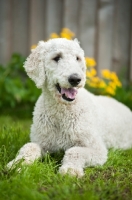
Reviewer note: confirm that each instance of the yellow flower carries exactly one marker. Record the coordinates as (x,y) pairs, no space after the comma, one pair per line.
(90,62)
(54,35)
(106,73)
(67,33)
(33,46)
(102,84)
(95,79)
(91,73)
(112,85)
(114,76)
(110,90)
(111,76)
(91,84)
(95,82)
(88,74)
(118,83)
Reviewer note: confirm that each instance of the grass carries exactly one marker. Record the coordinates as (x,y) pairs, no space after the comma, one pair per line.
(41,181)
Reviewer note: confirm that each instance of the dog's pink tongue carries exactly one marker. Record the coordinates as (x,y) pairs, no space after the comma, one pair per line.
(69,93)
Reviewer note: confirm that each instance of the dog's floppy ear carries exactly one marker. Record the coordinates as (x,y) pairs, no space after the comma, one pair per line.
(34,65)
(76,40)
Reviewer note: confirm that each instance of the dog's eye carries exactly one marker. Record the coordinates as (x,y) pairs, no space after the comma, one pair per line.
(57,58)
(77,58)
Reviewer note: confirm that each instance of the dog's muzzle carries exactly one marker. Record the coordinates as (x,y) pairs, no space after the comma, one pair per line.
(67,94)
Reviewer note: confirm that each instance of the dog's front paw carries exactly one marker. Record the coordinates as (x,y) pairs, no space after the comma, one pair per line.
(73,171)
(12,164)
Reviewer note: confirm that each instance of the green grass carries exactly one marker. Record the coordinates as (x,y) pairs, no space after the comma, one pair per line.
(41,180)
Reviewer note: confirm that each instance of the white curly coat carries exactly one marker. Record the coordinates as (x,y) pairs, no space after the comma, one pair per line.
(86,126)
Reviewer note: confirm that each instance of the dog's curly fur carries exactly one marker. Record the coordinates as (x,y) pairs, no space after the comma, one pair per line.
(68,117)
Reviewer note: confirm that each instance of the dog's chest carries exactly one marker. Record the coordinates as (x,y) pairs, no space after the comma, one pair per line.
(64,129)
(60,130)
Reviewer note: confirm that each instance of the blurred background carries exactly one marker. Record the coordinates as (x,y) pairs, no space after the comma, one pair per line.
(103,27)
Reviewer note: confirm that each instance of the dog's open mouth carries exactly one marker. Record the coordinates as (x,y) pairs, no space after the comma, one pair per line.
(68,94)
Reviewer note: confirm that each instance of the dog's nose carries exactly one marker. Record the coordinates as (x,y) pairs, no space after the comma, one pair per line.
(74,79)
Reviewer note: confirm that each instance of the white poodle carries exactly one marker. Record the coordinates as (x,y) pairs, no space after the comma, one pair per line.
(68,117)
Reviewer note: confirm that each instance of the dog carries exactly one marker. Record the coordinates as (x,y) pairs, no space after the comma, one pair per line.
(67,116)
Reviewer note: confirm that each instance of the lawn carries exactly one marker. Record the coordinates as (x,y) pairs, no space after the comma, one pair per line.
(41,180)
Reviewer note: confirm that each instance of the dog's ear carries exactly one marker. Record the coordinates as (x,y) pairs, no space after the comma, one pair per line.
(76,40)
(34,65)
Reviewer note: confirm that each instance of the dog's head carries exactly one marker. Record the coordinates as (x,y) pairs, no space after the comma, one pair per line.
(58,65)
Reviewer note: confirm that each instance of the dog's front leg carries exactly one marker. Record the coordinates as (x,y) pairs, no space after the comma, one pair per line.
(77,158)
(28,154)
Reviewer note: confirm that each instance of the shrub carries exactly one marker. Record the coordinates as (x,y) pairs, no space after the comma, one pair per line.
(16,89)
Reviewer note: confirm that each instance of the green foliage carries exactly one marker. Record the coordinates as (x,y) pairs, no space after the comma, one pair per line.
(16,89)
(41,180)
(124,95)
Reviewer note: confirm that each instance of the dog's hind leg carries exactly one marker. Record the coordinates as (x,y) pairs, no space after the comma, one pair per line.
(28,154)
